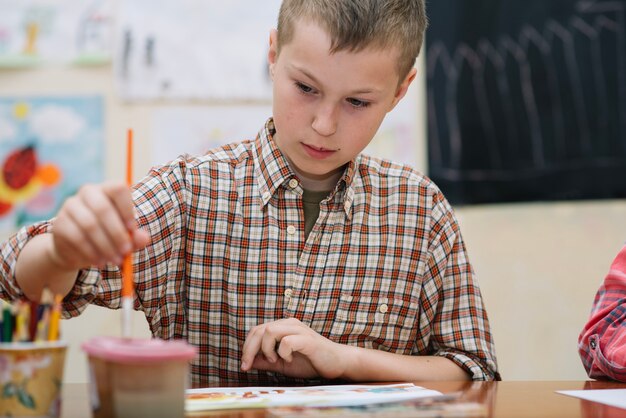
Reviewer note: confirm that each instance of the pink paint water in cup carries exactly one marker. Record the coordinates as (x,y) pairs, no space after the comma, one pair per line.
(138,377)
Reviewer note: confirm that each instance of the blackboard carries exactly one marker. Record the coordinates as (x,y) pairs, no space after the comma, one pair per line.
(527,99)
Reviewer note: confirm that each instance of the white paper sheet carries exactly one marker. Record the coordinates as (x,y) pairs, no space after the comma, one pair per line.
(611,397)
(333,395)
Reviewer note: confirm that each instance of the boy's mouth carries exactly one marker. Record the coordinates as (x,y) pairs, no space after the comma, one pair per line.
(318,152)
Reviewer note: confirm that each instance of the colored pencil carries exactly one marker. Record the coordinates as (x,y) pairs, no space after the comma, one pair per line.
(7,323)
(55,319)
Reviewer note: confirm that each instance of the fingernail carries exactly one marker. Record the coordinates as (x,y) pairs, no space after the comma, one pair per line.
(244,365)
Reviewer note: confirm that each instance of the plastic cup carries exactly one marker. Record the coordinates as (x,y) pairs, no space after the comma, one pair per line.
(31,377)
(138,377)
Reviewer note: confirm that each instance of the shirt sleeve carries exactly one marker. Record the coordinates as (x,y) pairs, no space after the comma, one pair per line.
(602,342)
(459,325)
(83,292)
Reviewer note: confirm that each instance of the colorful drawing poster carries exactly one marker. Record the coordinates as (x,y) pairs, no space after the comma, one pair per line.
(49,147)
(330,395)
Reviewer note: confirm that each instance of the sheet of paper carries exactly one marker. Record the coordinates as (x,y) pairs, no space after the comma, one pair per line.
(611,397)
(333,395)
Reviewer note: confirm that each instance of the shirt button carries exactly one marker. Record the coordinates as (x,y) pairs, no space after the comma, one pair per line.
(383,308)
(288,293)
(291,229)
(293,183)
(592,344)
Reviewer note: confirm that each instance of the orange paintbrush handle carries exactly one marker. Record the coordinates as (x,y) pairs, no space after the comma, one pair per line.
(127,267)
(127,277)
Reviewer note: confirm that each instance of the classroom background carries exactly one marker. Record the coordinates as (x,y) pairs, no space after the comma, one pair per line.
(190,74)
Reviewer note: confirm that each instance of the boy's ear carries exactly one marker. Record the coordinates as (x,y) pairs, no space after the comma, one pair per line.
(403,87)
(272,53)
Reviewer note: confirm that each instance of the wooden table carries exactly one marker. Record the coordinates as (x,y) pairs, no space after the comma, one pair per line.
(508,399)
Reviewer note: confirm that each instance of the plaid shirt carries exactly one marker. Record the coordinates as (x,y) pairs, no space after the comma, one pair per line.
(602,343)
(384,267)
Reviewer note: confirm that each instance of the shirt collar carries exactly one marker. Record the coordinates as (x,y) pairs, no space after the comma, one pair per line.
(272,170)
(271,166)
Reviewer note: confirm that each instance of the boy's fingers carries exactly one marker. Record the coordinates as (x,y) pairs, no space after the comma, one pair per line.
(261,363)
(110,205)
(68,252)
(122,199)
(269,343)
(250,349)
(290,345)
(103,220)
(268,339)
(93,225)
(121,196)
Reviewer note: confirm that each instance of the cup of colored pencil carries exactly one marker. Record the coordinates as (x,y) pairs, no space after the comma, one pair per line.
(31,358)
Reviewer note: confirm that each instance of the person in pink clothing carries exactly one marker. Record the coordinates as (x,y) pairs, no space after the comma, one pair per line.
(602,342)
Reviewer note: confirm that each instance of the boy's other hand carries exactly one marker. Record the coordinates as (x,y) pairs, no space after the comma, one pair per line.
(290,347)
(96,226)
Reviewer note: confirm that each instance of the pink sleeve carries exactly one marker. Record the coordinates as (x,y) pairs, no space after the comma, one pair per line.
(602,343)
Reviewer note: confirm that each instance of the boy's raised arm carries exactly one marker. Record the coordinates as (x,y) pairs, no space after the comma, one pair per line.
(93,228)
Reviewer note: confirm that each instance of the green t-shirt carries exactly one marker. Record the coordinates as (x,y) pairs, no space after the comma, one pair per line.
(311,202)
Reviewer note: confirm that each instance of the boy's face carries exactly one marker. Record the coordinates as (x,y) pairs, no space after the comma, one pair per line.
(327,107)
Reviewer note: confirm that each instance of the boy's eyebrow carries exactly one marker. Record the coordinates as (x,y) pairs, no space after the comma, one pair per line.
(315,80)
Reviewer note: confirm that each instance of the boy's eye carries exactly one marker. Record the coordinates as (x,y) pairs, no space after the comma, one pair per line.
(304,88)
(358,103)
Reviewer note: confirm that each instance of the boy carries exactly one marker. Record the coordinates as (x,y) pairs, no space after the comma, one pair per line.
(290,257)
(602,342)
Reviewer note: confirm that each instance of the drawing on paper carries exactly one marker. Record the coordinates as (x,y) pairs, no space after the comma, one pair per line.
(331,395)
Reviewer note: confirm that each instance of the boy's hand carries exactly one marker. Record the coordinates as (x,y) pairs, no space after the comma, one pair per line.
(289,347)
(96,226)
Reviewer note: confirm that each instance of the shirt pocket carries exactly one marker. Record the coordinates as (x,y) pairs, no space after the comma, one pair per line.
(387,321)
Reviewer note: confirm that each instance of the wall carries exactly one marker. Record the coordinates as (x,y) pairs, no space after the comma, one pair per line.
(538,264)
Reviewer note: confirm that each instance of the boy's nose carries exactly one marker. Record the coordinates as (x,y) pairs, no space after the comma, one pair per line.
(325,120)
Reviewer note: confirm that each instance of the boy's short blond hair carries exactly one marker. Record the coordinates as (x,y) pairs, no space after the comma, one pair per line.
(357,24)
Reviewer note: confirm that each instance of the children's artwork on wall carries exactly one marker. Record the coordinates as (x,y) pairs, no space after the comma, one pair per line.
(37,31)
(49,147)
(194,49)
